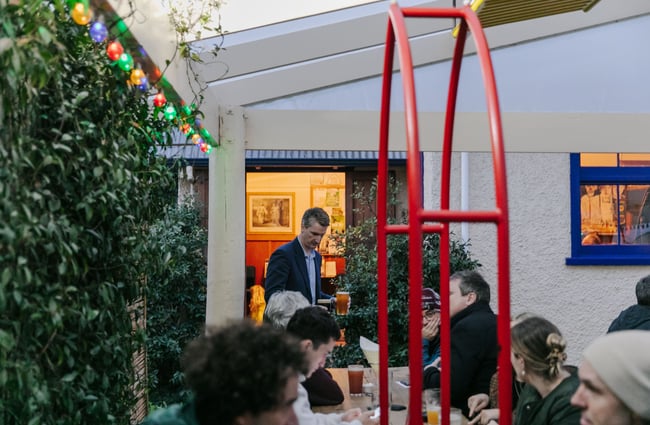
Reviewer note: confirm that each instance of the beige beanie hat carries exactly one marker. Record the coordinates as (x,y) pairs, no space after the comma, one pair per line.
(622,360)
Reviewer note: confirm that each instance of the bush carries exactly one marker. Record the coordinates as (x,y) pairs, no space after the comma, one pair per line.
(175,299)
(79,183)
(360,250)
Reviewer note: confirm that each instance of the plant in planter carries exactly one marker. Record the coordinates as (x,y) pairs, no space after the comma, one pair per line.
(359,248)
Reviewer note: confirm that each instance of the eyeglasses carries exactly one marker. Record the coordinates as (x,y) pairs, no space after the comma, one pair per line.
(429,313)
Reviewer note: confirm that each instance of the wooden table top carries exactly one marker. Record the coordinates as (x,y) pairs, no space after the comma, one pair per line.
(363,402)
(399,394)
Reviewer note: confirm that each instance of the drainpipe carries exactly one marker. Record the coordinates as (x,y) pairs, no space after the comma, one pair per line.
(464,193)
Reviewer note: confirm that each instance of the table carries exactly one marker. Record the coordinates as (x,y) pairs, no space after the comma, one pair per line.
(399,394)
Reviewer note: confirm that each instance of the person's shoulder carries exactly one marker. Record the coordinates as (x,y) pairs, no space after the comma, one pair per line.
(634,317)
(570,384)
(479,314)
(559,401)
(287,247)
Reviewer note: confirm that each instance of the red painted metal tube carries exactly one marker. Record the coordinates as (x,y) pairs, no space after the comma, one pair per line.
(382,199)
(397,34)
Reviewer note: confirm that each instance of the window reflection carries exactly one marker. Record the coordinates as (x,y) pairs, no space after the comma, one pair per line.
(598,206)
(615,214)
(636,214)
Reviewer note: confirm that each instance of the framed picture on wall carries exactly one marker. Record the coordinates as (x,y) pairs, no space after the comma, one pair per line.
(270,213)
(332,199)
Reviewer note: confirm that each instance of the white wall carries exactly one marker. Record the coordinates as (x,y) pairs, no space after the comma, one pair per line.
(580,300)
(593,70)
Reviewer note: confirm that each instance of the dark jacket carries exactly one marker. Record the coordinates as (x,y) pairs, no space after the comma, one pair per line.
(322,389)
(287,271)
(473,354)
(554,409)
(634,317)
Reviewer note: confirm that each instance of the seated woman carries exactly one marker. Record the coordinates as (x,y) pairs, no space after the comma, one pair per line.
(537,356)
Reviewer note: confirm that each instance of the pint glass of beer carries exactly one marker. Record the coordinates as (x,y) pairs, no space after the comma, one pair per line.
(355,379)
(342,302)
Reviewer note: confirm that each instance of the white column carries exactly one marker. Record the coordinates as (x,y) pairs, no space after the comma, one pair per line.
(226,220)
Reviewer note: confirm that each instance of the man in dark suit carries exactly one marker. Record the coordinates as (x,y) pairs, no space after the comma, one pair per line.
(473,340)
(295,266)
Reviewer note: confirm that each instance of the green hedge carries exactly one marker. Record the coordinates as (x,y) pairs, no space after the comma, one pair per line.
(360,250)
(176,295)
(79,181)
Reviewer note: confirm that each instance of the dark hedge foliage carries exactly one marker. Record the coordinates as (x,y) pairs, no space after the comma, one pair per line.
(79,183)
(176,300)
(360,250)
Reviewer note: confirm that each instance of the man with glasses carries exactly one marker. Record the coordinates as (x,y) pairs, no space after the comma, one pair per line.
(473,340)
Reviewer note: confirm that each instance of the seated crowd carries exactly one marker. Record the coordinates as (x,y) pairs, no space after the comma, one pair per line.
(247,374)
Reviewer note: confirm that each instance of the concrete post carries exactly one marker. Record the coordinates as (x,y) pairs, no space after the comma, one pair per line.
(226,222)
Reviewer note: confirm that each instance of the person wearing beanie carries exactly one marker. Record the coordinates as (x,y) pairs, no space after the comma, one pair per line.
(473,334)
(430,326)
(615,380)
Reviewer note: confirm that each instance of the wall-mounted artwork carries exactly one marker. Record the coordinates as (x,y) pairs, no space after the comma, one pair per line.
(332,200)
(270,213)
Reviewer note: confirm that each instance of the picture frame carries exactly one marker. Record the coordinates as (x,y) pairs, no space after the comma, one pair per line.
(270,213)
(331,198)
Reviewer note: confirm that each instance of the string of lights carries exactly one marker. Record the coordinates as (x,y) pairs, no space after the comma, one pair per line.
(186,117)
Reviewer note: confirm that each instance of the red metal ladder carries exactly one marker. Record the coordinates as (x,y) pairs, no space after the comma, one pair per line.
(429,221)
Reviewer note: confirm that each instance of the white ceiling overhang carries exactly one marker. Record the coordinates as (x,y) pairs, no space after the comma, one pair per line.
(339,47)
(342,46)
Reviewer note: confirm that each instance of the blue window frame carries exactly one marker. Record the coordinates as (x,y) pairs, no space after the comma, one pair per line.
(610,210)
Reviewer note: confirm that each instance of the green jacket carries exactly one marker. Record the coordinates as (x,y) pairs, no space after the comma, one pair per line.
(555,409)
(176,414)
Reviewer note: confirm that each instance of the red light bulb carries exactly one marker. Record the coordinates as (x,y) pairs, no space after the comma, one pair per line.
(114,50)
(159,100)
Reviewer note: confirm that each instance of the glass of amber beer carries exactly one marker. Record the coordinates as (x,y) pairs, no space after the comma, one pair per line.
(342,302)
(355,379)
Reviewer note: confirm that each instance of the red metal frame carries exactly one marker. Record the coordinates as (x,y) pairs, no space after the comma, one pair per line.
(420,220)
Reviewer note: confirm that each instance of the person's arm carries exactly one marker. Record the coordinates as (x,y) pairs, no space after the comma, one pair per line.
(431,376)
(306,416)
(486,416)
(476,403)
(464,348)
(277,273)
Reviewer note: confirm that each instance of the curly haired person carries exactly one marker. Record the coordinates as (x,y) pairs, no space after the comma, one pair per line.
(239,374)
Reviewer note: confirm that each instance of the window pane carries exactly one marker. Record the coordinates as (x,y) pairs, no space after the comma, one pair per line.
(598,214)
(598,160)
(634,159)
(635,214)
